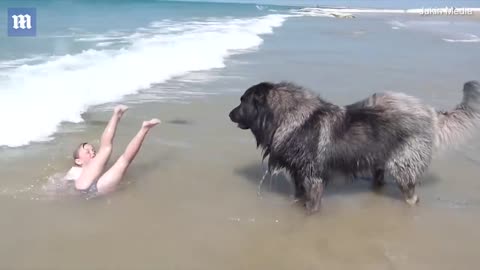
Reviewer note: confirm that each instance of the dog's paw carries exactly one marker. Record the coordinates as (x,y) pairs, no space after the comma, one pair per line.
(312,207)
(311,212)
(414,200)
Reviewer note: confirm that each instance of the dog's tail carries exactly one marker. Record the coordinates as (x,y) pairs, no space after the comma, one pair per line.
(454,126)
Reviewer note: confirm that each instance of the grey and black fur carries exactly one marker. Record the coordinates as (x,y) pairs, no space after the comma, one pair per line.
(389,132)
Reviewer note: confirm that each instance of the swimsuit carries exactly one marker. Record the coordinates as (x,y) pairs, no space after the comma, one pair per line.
(92,190)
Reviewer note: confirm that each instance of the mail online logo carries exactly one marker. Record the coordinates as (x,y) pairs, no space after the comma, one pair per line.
(22,22)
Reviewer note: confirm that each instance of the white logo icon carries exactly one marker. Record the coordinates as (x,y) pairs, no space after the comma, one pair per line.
(22,21)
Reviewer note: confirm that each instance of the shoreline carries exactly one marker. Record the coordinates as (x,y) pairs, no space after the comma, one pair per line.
(256,40)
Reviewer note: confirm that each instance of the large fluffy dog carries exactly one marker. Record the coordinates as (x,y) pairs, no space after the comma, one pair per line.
(312,138)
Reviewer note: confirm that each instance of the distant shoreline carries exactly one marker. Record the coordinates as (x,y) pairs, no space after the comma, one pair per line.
(343,12)
(439,11)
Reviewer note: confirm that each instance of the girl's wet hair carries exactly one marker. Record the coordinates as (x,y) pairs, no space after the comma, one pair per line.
(75,153)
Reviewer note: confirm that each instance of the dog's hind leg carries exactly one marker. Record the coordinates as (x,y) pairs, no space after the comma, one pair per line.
(406,181)
(314,192)
(408,190)
(407,167)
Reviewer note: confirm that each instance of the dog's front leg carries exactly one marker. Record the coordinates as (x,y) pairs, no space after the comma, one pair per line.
(299,188)
(314,191)
(378,178)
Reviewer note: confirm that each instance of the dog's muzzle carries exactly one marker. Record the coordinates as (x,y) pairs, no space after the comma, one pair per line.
(231,115)
(234,118)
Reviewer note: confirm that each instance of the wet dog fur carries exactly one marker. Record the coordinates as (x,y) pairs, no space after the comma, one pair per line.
(311,138)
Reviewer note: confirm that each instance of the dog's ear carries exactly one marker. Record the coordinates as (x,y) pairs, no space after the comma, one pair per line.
(265,86)
(261,91)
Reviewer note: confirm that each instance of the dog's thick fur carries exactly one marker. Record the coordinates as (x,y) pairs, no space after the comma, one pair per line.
(389,132)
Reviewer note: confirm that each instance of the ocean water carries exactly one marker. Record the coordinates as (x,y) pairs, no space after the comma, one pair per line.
(88,53)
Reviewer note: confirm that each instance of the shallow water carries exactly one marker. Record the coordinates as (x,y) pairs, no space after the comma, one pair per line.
(190,201)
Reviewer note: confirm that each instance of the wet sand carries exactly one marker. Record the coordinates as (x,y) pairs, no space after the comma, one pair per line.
(189,200)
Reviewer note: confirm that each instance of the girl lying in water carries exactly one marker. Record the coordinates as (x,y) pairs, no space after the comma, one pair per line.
(89,164)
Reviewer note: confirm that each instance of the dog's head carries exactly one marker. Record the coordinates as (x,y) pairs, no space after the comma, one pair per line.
(254,113)
(252,104)
(266,106)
